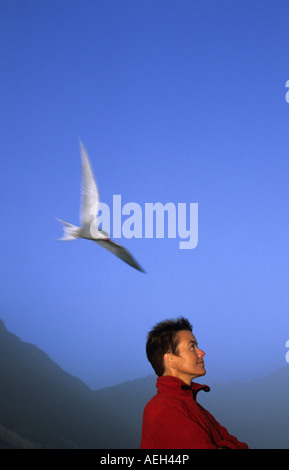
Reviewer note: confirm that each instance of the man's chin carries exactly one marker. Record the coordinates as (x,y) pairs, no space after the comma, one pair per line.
(203,373)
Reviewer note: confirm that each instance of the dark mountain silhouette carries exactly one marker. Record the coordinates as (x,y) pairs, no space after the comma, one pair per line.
(42,406)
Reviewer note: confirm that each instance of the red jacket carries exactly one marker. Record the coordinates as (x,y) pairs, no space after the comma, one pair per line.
(173,419)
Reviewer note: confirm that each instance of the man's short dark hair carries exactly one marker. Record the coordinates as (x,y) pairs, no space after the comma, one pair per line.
(163,339)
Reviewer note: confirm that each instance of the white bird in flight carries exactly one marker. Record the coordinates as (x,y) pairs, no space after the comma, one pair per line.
(90,198)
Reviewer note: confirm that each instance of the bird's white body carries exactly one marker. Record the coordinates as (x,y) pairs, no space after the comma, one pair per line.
(90,199)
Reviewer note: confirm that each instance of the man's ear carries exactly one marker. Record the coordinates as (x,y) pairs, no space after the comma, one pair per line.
(169,361)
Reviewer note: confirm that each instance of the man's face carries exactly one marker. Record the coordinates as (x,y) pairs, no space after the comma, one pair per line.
(189,361)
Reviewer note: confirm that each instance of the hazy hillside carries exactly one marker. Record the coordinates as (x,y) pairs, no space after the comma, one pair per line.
(257,411)
(42,406)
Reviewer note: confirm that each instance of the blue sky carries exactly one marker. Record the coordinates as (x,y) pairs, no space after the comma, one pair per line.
(175,102)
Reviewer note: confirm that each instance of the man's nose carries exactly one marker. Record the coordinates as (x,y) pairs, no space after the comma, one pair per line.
(201,353)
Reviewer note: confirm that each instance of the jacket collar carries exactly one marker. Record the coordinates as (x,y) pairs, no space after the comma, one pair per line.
(175,387)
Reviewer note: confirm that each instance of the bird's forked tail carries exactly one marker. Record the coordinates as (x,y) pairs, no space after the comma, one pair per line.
(70,232)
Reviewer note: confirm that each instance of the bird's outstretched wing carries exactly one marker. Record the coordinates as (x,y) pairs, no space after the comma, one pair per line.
(120,252)
(89,191)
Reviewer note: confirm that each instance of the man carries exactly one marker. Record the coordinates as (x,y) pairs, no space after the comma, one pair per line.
(173,419)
